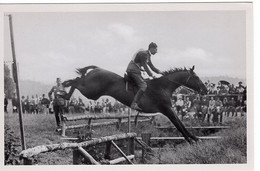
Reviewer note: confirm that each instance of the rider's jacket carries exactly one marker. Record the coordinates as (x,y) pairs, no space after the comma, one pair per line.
(58,91)
(140,62)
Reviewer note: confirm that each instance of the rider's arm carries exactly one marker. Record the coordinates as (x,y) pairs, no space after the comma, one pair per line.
(50,93)
(152,66)
(142,59)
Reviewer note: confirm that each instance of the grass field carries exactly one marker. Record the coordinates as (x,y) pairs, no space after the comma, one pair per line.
(40,130)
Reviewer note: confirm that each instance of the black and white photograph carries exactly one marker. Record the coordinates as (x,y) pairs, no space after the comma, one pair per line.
(152,84)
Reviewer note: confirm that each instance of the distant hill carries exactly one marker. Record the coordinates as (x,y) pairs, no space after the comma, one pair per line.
(29,88)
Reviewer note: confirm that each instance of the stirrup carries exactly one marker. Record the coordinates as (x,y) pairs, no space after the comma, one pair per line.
(135,107)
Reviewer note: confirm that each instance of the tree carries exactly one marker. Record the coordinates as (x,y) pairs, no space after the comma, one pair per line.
(9,85)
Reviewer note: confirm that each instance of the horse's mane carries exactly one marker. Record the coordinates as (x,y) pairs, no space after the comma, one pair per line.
(173,70)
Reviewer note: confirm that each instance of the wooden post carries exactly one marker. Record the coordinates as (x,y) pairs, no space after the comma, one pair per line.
(89,124)
(119,123)
(129,119)
(16,80)
(27,161)
(146,139)
(107,150)
(76,157)
(63,128)
(131,146)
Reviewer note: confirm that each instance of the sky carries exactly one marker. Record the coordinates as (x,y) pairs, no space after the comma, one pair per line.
(51,45)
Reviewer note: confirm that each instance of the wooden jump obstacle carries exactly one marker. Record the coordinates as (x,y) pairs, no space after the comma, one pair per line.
(79,151)
(197,127)
(119,118)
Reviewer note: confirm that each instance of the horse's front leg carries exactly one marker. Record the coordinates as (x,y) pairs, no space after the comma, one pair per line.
(67,96)
(179,125)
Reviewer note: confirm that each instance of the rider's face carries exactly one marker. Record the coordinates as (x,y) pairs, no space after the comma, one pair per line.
(153,51)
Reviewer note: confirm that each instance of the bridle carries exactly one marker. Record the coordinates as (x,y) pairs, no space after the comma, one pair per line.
(187,80)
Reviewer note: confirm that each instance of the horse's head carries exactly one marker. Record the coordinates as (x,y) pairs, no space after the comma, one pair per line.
(193,82)
(187,78)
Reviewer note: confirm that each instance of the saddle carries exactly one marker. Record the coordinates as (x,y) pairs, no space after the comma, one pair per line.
(128,83)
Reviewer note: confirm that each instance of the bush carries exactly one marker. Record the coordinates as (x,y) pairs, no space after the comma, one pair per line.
(232,148)
(11,152)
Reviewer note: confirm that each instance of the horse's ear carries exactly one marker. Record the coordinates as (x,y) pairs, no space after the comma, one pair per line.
(193,67)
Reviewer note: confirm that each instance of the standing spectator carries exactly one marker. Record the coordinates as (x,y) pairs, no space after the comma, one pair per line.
(81,106)
(240,106)
(204,107)
(187,106)
(212,89)
(225,106)
(179,105)
(45,103)
(232,107)
(27,105)
(58,101)
(23,104)
(212,105)
(15,104)
(219,112)
(197,107)
(240,88)
(32,105)
(231,89)
(5,105)
(37,103)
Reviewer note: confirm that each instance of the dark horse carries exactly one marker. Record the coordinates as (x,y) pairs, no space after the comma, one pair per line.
(157,97)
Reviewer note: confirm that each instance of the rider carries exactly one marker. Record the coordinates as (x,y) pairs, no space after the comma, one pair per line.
(141,59)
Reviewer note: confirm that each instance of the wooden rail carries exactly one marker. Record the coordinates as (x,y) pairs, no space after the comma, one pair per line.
(118,123)
(197,127)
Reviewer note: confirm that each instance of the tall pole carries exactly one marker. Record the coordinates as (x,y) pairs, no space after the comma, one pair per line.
(15,75)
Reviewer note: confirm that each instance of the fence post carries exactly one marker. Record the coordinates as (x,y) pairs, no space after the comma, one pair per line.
(63,127)
(107,150)
(27,161)
(146,139)
(129,119)
(119,123)
(131,146)
(89,124)
(76,157)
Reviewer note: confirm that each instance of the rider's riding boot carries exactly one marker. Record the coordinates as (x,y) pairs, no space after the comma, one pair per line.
(136,100)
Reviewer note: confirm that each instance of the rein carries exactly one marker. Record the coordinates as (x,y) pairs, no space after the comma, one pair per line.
(178,82)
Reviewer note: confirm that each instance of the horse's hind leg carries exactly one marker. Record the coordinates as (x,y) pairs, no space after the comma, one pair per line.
(178,124)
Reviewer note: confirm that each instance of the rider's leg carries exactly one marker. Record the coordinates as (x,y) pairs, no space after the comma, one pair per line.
(137,78)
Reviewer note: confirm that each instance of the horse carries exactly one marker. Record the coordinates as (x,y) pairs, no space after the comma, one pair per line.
(95,82)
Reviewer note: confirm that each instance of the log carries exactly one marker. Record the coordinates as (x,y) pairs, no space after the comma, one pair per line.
(87,156)
(197,127)
(121,159)
(28,153)
(121,152)
(104,116)
(100,124)
(181,138)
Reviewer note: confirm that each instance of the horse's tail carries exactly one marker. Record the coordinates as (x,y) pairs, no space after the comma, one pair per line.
(83,71)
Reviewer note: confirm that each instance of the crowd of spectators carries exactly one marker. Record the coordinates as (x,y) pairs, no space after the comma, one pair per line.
(224,100)
(43,105)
